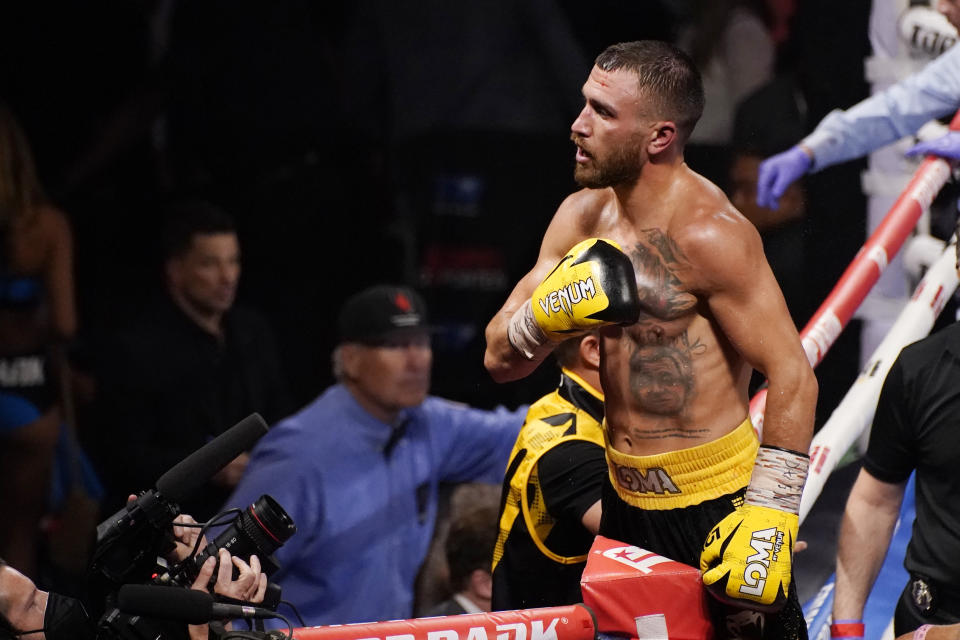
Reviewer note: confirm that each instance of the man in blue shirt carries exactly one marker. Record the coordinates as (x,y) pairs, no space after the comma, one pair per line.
(884,117)
(358,468)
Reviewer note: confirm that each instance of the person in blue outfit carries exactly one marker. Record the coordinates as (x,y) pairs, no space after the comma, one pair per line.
(884,117)
(358,468)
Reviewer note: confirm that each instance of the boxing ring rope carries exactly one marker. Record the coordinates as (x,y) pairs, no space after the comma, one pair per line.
(820,333)
(865,269)
(855,412)
(853,415)
(575,622)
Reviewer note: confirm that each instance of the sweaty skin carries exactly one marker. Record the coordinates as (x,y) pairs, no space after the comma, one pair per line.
(711,308)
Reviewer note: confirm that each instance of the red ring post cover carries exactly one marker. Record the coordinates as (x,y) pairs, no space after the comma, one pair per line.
(637,594)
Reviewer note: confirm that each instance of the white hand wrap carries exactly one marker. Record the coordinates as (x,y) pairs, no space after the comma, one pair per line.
(778,478)
(525,335)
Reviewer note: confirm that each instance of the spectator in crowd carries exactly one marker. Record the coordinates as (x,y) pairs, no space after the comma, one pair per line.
(468,548)
(768,121)
(914,430)
(358,468)
(884,117)
(37,316)
(454,502)
(891,113)
(730,43)
(551,494)
(192,366)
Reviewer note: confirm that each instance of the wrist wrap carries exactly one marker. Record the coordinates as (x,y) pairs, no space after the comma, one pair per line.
(778,478)
(524,334)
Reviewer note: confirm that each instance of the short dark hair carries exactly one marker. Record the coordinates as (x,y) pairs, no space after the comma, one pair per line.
(667,76)
(184,220)
(567,352)
(470,544)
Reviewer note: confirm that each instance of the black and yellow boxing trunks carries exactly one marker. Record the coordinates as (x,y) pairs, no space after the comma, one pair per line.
(685,477)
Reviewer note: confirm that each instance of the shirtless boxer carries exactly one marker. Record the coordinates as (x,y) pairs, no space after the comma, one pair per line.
(680,333)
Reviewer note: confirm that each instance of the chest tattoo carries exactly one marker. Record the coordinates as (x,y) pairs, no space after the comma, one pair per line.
(661,351)
(657,262)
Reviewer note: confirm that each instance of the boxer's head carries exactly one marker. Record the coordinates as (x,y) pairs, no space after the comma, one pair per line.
(642,99)
(668,82)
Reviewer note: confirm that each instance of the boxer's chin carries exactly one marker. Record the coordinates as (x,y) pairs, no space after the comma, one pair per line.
(589,177)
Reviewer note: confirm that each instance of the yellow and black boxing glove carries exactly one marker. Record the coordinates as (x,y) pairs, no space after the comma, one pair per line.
(747,559)
(593,285)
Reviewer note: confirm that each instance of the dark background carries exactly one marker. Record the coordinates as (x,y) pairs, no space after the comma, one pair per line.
(356,143)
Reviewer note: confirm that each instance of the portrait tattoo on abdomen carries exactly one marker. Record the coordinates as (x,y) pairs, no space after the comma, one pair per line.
(661,375)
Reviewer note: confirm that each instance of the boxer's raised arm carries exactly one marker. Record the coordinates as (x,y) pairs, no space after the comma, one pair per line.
(576,285)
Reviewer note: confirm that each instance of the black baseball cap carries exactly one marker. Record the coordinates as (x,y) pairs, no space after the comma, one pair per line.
(382,311)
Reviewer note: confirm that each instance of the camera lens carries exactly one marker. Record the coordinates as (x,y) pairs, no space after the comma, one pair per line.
(260,529)
(267,525)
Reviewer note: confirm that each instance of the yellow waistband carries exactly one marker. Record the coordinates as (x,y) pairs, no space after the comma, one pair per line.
(687,476)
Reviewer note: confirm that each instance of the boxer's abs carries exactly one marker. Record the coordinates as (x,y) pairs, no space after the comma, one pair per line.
(675,393)
(671,381)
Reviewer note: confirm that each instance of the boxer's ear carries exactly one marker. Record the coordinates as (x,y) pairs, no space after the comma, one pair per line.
(663,135)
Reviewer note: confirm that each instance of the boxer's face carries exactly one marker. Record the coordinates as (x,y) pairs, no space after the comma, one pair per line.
(609,131)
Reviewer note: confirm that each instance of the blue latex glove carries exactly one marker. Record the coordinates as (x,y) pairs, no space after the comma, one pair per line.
(779,172)
(947,146)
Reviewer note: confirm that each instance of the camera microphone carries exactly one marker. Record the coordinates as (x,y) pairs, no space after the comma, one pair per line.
(182,605)
(192,472)
(129,541)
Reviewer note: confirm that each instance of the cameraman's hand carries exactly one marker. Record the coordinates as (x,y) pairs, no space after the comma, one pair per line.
(250,585)
(202,631)
(185,538)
